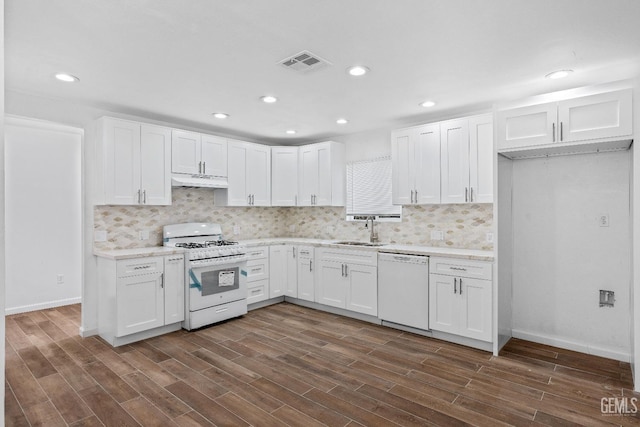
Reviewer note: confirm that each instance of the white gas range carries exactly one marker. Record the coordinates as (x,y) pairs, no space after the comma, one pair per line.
(215,273)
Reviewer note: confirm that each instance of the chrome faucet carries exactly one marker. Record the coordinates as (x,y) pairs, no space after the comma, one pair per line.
(373,238)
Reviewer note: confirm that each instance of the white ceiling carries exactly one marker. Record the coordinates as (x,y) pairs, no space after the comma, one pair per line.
(179,61)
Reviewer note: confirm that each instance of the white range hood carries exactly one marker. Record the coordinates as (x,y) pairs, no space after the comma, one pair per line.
(206,181)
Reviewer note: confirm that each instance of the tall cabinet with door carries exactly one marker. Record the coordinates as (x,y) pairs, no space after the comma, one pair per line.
(133,163)
(249,172)
(198,154)
(446,162)
(321,174)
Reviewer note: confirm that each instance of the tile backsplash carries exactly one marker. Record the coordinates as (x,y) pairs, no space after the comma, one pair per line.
(463,226)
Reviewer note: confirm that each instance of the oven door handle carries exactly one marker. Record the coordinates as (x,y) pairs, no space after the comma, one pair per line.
(195,283)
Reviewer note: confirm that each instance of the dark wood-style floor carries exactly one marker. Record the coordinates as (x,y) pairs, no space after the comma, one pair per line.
(288,365)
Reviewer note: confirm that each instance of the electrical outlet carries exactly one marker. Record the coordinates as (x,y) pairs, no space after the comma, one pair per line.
(144,235)
(437,235)
(603,220)
(100,236)
(60,279)
(489,237)
(236,230)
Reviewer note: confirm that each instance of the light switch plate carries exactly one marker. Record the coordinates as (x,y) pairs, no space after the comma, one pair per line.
(100,236)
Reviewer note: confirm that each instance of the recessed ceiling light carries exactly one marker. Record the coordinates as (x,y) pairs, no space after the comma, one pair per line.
(427,104)
(342,121)
(269,99)
(220,115)
(357,70)
(67,78)
(560,74)
(291,132)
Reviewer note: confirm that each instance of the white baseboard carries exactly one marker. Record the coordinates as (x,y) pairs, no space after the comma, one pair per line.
(572,345)
(41,306)
(88,332)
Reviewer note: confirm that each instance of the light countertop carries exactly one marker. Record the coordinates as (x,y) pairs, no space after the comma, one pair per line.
(138,252)
(470,254)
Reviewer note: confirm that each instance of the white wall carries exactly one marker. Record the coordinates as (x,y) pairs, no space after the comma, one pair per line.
(562,257)
(635,208)
(504,251)
(2,206)
(43,214)
(367,145)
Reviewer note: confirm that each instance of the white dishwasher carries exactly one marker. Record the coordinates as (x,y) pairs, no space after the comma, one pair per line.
(403,289)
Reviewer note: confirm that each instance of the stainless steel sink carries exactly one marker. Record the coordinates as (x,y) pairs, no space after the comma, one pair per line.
(352,243)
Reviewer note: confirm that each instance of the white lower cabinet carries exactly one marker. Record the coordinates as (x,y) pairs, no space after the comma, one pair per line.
(348,279)
(258,274)
(460,298)
(306,273)
(139,295)
(283,274)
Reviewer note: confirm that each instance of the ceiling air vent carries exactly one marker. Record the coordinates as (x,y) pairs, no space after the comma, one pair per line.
(304,62)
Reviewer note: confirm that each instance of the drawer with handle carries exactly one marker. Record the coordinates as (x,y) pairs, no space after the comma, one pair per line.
(461,268)
(258,252)
(257,291)
(139,266)
(257,269)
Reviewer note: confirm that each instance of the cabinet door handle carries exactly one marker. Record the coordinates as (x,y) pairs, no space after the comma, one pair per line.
(144,197)
(200,167)
(553,132)
(466,194)
(561,132)
(342,270)
(204,168)
(162,280)
(458,268)
(294,251)
(460,286)
(139,196)
(416,200)
(249,199)
(411,196)
(310,265)
(346,270)
(455,285)
(471,194)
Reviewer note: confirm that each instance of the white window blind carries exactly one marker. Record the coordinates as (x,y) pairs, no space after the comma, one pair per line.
(369,190)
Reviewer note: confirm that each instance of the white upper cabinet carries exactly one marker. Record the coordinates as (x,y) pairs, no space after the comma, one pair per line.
(198,154)
(284,176)
(213,152)
(415,155)
(522,127)
(249,172)
(155,163)
(587,118)
(467,160)
(321,174)
(185,152)
(481,156)
(604,115)
(454,161)
(134,163)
